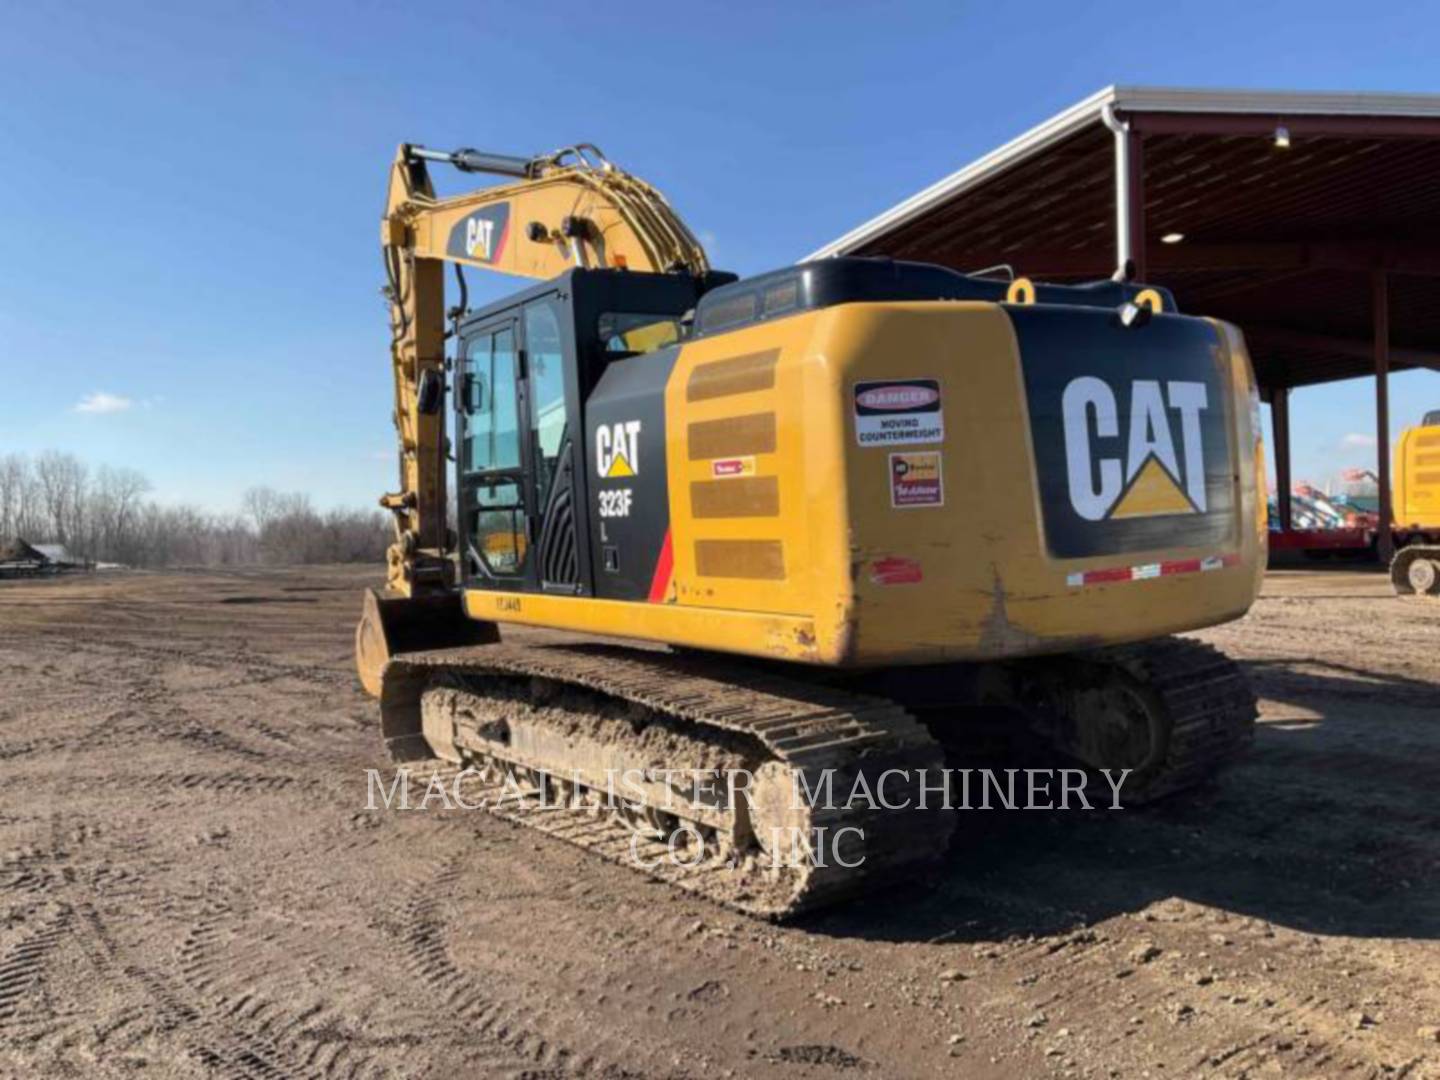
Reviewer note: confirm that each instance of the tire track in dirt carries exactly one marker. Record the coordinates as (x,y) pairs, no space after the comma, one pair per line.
(214,1005)
(154,713)
(28,870)
(24,747)
(237,1038)
(44,870)
(258,669)
(248,1041)
(229,782)
(603,1005)
(171,724)
(244,1037)
(171,715)
(171,718)
(52,875)
(272,1034)
(424,934)
(23,965)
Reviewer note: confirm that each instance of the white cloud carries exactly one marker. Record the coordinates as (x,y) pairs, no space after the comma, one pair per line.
(1355,439)
(100,403)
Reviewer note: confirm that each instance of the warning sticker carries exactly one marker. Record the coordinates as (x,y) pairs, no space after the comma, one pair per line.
(915,480)
(735,466)
(898,412)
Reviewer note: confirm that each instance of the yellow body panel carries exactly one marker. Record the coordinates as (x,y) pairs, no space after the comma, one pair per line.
(754,633)
(1417,478)
(792,563)
(989,587)
(736,397)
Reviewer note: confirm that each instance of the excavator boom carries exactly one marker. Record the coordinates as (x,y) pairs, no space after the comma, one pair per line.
(569,208)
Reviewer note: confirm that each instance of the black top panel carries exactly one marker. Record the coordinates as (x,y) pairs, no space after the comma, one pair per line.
(591,294)
(855,280)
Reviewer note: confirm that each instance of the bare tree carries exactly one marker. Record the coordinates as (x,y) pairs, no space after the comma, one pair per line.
(63,485)
(14,479)
(105,516)
(115,501)
(261,505)
(29,515)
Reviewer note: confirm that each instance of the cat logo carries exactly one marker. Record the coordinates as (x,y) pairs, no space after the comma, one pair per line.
(478,234)
(617,449)
(1150,473)
(481,236)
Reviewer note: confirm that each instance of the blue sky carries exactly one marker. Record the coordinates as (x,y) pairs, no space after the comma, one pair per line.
(191,191)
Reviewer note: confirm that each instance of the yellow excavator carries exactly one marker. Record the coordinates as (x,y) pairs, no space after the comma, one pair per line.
(798,528)
(1415,569)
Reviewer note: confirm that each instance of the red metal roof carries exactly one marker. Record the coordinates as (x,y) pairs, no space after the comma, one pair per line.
(1282,241)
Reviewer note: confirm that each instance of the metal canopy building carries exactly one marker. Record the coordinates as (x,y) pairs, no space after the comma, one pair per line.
(1310,220)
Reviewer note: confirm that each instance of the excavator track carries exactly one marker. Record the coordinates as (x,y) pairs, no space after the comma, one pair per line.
(1195,705)
(507,713)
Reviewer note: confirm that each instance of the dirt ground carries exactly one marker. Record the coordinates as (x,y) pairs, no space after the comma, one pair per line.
(191,884)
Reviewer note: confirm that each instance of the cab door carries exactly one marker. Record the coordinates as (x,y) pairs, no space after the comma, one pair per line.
(493,493)
(555,472)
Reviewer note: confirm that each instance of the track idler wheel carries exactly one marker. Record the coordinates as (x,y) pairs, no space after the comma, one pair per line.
(391,624)
(1118,725)
(1171,711)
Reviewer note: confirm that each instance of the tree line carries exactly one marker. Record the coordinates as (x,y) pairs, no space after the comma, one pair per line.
(103,514)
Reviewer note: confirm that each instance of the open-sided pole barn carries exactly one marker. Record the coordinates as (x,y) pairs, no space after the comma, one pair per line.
(1309,220)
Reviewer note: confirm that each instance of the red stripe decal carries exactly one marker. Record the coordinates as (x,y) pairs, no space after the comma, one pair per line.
(664,567)
(1151,570)
(1180,566)
(1118,573)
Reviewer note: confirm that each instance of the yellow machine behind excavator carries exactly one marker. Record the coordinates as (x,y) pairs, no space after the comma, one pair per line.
(1415,570)
(858,499)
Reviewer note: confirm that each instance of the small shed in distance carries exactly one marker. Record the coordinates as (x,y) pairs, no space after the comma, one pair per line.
(19,559)
(59,557)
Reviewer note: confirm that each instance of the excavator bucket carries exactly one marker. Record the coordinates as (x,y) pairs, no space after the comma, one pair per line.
(391,624)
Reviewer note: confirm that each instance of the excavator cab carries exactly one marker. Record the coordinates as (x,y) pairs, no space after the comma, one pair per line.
(525,370)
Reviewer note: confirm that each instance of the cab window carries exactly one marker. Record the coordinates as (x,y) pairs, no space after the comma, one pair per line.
(490,448)
(545,361)
(627,332)
(492,431)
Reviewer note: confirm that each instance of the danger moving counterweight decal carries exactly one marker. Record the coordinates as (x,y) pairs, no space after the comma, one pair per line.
(898,412)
